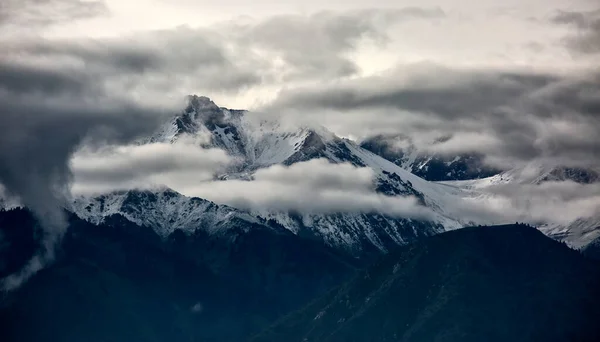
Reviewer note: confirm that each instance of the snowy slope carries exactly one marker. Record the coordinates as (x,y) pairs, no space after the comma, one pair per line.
(256,144)
(577,234)
(163,209)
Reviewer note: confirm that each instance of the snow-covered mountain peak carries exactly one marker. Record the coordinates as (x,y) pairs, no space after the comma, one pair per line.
(256,143)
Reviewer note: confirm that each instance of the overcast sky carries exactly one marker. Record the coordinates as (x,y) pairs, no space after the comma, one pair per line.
(515,80)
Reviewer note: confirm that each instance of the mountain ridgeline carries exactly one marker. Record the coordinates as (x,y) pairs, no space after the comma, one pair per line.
(503,283)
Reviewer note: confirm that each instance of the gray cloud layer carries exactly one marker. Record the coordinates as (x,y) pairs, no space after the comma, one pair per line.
(587,38)
(315,187)
(510,116)
(164,62)
(184,163)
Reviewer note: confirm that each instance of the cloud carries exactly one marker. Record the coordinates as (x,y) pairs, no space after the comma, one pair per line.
(113,168)
(41,13)
(318,46)
(512,116)
(223,59)
(587,38)
(315,186)
(47,110)
(548,202)
(167,63)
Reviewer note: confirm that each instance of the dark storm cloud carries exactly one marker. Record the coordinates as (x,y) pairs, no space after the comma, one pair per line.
(46,113)
(509,116)
(36,13)
(28,79)
(587,39)
(441,100)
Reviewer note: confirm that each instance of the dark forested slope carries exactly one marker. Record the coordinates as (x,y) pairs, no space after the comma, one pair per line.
(503,283)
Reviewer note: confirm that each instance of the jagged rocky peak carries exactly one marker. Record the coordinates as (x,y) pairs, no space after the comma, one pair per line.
(199,103)
(205,110)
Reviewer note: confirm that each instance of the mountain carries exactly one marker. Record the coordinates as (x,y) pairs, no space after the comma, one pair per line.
(260,144)
(427,165)
(503,283)
(257,144)
(122,282)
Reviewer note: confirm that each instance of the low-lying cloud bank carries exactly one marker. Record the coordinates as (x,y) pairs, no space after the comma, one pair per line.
(315,186)
(556,203)
(180,164)
(318,187)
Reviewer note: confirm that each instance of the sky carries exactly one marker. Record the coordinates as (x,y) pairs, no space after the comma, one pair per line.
(517,81)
